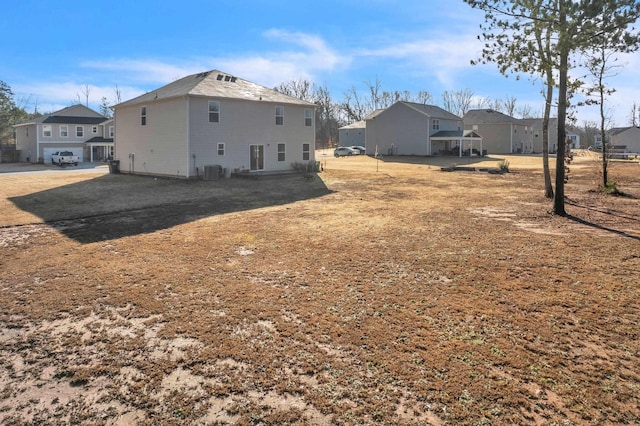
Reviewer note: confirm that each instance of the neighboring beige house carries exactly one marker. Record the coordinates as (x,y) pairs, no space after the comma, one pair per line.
(627,137)
(69,129)
(407,128)
(213,118)
(536,124)
(501,133)
(353,134)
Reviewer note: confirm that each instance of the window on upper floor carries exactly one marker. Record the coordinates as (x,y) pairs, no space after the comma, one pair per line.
(308,117)
(435,124)
(305,152)
(220,149)
(94,129)
(111,132)
(79,131)
(46,130)
(214,112)
(281,149)
(143,116)
(279,116)
(64,131)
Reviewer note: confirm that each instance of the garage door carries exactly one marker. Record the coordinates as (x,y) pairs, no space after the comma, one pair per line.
(46,152)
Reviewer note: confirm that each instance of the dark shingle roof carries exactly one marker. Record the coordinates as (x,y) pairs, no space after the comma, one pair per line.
(60,119)
(489,116)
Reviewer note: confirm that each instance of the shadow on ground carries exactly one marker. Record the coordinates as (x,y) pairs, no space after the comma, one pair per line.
(116,206)
(443,161)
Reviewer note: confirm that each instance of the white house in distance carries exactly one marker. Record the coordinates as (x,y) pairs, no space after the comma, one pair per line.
(213,118)
(77,128)
(407,128)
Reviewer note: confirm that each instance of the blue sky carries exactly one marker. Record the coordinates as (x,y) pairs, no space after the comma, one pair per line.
(52,50)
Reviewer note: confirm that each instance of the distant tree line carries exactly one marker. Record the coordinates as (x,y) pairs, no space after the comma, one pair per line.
(10,114)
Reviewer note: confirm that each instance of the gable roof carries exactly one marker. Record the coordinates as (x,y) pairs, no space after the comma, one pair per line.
(617,130)
(75,114)
(215,84)
(489,116)
(374,114)
(431,111)
(357,125)
(456,134)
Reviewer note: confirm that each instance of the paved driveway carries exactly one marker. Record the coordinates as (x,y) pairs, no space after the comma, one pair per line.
(50,168)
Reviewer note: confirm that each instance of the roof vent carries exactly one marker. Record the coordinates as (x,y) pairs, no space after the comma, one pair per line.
(227,78)
(220,77)
(233,79)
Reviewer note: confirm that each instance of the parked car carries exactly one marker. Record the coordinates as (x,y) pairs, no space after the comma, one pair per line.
(360,149)
(343,151)
(64,157)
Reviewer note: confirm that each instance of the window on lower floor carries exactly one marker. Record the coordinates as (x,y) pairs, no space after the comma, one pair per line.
(281,152)
(305,152)
(220,149)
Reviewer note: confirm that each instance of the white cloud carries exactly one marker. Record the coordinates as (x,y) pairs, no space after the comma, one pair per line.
(147,71)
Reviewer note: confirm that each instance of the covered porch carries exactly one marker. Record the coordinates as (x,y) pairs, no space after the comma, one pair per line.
(100,149)
(456,142)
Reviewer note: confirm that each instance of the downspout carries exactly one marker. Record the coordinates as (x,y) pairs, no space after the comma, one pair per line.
(189,139)
(428,137)
(38,146)
(511,139)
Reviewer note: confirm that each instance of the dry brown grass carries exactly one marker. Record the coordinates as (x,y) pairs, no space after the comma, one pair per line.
(376,293)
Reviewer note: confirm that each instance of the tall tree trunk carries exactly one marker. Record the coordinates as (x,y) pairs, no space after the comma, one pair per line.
(605,155)
(548,188)
(558,201)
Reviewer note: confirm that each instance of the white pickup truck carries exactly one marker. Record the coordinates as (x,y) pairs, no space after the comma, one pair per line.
(64,157)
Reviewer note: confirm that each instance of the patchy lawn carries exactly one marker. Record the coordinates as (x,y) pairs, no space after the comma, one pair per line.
(378,292)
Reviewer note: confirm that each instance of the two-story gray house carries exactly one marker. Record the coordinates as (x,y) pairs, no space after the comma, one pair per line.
(407,128)
(69,129)
(213,118)
(502,133)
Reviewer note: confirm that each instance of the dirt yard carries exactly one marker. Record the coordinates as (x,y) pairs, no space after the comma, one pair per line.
(377,292)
